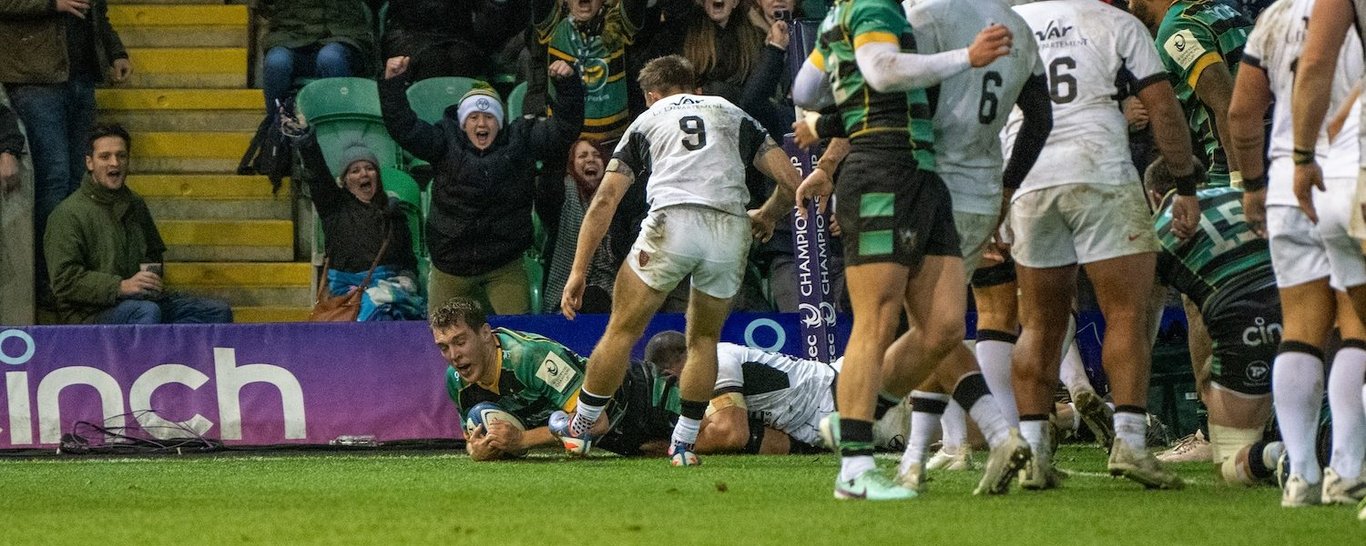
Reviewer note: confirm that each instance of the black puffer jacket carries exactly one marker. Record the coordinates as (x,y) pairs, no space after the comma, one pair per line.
(481,200)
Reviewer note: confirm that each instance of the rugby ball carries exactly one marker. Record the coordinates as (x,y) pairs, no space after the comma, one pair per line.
(487,413)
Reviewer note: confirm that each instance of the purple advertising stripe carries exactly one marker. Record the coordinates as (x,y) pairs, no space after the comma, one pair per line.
(243,384)
(302,383)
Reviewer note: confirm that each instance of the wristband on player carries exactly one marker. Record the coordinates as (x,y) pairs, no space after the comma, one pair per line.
(1185,184)
(1303,157)
(1256,183)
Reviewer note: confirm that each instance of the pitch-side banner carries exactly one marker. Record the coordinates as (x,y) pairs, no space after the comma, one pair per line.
(265,384)
(301,383)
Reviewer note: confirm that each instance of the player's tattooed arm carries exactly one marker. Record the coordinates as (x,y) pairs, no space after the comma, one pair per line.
(775,164)
(1251,98)
(1215,90)
(1173,140)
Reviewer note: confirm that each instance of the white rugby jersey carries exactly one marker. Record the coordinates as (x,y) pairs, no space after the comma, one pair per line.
(692,149)
(790,394)
(974,105)
(1094,54)
(1359,7)
(1274,46)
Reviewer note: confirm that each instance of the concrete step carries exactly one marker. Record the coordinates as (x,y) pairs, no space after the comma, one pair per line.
(270,314)
(188,152)
(245,284)
(227,209)
(255,296)
(228,240)
(188,67)
(239,274)
(200,197)
(195,25)
(182,110)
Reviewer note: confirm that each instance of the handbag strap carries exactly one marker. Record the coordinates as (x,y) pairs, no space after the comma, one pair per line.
(327,260)
(388,230)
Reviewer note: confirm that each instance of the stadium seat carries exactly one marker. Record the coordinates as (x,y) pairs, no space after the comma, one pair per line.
(430,97)
(339,98)
(515,100)
(345,111)
(402,187)
(531,262)
(336,135)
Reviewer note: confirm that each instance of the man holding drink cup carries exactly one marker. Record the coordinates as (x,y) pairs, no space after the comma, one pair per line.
(104,253)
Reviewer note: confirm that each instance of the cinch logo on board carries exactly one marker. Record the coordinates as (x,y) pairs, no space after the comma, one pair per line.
(17,348)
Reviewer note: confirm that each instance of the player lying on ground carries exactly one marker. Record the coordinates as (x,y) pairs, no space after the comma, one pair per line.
(769,402)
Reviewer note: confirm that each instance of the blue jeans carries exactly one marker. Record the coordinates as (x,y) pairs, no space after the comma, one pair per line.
(283,65)
(58,118)
(172,309)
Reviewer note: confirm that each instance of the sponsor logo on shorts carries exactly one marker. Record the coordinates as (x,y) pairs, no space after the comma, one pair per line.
(1262,333)
(1258,373)
(644,258)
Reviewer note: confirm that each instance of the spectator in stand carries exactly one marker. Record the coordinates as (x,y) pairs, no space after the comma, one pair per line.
(56,51)
(11,147)
(104,251)
(313,38)
(453,37)
(359,221)
(480,220)
(585,171)
(593,35)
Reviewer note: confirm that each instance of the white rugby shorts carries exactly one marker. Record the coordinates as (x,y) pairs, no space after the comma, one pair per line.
(683,240)
(1346,264)
(1297,251)
(974,232)
(1080,224)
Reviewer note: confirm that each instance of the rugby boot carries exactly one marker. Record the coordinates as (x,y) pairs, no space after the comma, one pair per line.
(1140,466)
(574,445)
(871,485)
(1003,465)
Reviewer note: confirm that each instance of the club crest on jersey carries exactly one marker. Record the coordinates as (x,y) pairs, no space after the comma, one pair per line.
(1183,48)
(556,372)
(1054,31)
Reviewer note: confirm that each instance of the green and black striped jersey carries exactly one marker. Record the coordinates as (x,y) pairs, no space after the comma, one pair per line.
(1195,35)
(898,118)
(1223,256)
(601,58)
(537,375)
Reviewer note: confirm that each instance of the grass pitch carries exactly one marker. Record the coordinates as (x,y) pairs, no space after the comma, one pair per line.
(748,500)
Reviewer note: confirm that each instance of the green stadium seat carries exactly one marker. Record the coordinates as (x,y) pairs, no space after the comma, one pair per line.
(402,187)
(336,135)
(535,277)
(515,100)
(339,98)
(430,97)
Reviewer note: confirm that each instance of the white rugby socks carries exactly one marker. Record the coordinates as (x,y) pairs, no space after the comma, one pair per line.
(955,424)
(993,356)
(1344,400)
(1297,392)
